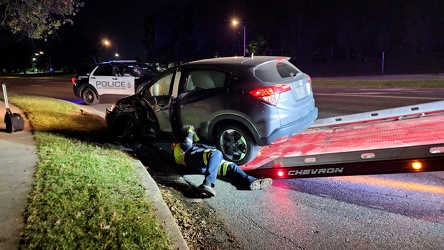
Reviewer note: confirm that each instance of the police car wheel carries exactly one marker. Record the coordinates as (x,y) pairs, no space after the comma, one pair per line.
(89,96)
(236,144)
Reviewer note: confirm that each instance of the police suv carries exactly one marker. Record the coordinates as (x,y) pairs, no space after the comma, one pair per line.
(111,78)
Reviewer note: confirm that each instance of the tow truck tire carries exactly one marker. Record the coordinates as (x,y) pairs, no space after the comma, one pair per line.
(236,144)
(89,96)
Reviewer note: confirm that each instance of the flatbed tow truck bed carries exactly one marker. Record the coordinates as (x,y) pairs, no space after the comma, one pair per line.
(405,139)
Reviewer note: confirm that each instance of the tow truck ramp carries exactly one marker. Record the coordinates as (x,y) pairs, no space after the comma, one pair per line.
(399,140)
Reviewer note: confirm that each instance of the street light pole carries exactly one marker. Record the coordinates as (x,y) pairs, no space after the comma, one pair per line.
(243,26)
(235,22)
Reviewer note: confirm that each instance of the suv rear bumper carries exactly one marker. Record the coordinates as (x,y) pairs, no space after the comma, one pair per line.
(76,90)
(291,129)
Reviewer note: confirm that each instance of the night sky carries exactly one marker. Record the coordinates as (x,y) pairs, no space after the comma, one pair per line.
(322,36)
(122,22)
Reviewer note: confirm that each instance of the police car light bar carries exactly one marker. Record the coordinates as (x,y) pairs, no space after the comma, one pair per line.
(122,61)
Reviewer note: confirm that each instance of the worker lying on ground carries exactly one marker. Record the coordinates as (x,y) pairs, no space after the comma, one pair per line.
(209,161)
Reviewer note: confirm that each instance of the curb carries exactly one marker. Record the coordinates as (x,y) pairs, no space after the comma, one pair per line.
(161,210)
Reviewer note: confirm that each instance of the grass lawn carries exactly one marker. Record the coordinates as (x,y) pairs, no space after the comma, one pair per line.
(87,193)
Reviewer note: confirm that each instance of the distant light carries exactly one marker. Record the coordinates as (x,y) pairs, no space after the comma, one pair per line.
(106,42)
(416,165)
(117,55)
(234,22)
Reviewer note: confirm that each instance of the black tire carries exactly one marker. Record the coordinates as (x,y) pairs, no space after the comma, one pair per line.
(129,131)
(236,144)
(89,96)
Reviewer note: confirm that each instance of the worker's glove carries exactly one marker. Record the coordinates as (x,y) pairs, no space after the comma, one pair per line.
(191,130)
(195,137)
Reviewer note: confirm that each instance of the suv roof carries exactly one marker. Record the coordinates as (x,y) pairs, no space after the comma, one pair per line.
(249,61)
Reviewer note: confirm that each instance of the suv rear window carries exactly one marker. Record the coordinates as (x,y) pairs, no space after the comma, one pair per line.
(85,70)
(275,71)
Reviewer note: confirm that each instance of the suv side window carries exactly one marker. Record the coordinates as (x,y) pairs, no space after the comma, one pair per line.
(205,79)
(161,87)
(104,70)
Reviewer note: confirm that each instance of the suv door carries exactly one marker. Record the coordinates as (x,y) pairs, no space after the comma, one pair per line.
(202,98)
(158,95)
(112,79)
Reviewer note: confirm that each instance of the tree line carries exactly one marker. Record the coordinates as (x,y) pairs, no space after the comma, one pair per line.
(305,30)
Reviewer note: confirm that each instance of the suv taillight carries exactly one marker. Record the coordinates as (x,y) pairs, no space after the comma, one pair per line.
(73,80)
(270,94)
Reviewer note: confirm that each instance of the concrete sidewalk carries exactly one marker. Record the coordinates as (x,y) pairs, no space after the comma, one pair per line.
(18,159)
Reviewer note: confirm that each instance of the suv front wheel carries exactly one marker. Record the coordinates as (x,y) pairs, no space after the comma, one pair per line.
(236,144)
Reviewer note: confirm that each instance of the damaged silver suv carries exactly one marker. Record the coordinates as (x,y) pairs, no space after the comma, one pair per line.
(237,104)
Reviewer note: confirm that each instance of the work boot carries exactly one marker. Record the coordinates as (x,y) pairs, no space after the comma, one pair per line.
(260,183)
(207,189)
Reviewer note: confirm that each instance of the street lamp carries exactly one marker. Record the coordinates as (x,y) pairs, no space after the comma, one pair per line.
(235,22)
(106,43)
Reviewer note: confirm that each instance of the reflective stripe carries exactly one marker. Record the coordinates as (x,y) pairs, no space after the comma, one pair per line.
(206,155)
(223,167)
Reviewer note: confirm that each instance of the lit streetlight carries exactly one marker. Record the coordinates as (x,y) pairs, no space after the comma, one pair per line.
(106,42)
(235,23)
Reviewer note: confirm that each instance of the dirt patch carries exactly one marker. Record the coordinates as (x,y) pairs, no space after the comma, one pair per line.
(201,226)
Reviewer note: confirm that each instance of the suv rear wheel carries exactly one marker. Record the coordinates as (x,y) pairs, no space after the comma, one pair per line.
(236,144)
(89,96)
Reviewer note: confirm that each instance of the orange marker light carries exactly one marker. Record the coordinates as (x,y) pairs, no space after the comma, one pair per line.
(416,165)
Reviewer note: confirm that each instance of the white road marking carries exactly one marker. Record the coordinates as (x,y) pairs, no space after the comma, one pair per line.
(379,96)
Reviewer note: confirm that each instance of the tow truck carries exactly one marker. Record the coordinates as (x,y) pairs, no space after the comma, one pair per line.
(398,140)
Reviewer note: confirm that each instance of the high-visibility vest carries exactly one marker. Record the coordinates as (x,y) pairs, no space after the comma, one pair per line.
(179,155)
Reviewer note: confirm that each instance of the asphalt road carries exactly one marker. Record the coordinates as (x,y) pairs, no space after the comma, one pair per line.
(395,211)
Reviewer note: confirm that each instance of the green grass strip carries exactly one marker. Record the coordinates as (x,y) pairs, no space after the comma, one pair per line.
(87,193)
